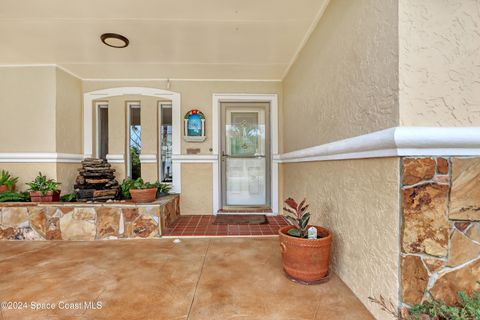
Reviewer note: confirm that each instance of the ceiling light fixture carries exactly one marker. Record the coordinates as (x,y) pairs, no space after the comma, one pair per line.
(114,40)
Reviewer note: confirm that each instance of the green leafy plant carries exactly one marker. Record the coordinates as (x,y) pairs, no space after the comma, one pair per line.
(163,187)
(69,197)
(43,184)
(6,179)
(128,184)
(135,161)
(299,217)
(13,196)
(467,308)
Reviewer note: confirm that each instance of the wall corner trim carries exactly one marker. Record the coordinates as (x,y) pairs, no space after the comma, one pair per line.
(394,142)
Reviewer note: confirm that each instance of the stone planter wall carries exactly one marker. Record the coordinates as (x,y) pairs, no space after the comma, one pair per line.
(83,221)
(440,228)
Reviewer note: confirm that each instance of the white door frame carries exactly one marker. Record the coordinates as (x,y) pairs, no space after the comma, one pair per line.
(89,97)
(216,131)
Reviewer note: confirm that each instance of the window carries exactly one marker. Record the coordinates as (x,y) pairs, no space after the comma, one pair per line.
(166,143)
(134,140)
(102,131)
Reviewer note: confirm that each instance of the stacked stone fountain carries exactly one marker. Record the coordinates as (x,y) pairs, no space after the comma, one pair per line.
(96,181)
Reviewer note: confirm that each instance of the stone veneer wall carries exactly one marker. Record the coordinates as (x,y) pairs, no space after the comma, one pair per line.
(81,221)
(440,228)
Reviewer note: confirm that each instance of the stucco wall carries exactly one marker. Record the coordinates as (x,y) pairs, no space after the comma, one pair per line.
(27,104)
(344,82)
(69,124)
(197,188)
(42,108)
(66,173)
(439,63)
(359,201)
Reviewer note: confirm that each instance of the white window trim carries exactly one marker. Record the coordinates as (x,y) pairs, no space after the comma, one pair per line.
(174,97)
(161,105)
(99,105)
(130,105)
(216,119)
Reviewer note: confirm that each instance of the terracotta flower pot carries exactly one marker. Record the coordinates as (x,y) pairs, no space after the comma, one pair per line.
(144,195)
(306,260)
(50,196)
(4,188)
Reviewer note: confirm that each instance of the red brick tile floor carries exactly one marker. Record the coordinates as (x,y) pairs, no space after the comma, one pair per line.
(202,226)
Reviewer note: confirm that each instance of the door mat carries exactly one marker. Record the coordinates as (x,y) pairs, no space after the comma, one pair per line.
(240,219)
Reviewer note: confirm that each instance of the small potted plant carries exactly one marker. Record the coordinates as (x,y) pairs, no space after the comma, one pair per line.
(305,257)
(141,191)
(7,181)
(43,189)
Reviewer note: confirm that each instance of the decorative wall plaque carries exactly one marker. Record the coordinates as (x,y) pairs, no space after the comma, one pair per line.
(194,126)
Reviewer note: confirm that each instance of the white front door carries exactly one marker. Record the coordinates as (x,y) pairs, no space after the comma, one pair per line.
(245,155)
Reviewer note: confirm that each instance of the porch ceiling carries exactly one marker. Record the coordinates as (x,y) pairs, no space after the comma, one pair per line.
(188,39)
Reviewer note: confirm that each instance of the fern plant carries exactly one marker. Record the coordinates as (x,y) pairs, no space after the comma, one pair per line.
(13,196)
(43,184)
(6,179)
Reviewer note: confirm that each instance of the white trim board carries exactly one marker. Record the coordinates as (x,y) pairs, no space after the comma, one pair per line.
(216,123)
(41,157)
(115,158)
(195,158)
(394,142)
(148,158)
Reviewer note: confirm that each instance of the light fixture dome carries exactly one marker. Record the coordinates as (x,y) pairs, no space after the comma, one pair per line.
(114,40)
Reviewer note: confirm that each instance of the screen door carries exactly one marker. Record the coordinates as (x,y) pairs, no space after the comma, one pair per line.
(245,155)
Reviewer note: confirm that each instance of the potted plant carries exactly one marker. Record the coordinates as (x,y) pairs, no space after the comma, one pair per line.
(7,181)
(305,260)
(43,189)
(141,191)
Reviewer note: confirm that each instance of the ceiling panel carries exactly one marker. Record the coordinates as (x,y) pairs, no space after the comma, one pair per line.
(168,39)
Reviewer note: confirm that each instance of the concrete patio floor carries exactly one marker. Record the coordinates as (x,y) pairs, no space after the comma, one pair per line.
(222,278)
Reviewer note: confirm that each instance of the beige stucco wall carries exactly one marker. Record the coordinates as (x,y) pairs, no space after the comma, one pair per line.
(150,171)
(438,63)
(69,123)
(344,82)
(197,188)
(27,105)
(117,122)
(66,173)
(43,106)
(359,201)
